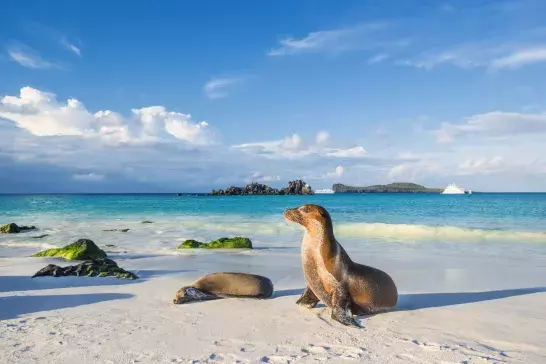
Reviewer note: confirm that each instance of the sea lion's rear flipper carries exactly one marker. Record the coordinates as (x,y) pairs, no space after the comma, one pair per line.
(308,298)
(341,307)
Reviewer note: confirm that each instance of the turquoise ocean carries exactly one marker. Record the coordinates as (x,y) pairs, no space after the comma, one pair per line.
(502,236)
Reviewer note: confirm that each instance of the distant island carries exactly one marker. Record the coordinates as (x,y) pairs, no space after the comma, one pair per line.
(400,187)
(297,187)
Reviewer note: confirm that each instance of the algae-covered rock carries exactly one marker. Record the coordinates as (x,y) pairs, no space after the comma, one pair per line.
(82,249)
(147,222)
(190,244)
(231,243)
(222,243)
(102,267)
(13,228)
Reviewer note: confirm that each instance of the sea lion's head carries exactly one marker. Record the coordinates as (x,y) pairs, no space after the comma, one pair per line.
(192,294)
(309,215)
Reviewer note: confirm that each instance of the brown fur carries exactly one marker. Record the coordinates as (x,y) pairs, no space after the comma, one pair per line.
(332,277)
(218,285)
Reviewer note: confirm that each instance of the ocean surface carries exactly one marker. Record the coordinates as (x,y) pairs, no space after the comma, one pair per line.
(454,236)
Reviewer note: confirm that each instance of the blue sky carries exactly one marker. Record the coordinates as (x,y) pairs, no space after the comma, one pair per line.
(189,96)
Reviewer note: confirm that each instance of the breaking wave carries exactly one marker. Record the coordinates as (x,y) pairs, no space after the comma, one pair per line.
(436,233)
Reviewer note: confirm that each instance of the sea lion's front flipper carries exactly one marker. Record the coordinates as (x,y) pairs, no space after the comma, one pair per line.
(308,298)
(341,307)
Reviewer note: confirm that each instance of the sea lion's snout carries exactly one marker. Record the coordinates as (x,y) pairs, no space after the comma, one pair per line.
(292,215)
(191,294)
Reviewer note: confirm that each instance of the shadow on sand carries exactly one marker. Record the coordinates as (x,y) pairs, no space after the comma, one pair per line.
(24,283)
(418,301)
(13,306)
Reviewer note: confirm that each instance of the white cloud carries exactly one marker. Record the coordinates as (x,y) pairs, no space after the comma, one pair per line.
(71,47)
(482,165)
(294,147)
(491,56)
(493,124)
(27,57)
(354,152)
(41,114)
(337,173)
(342,39)
(217,87)
(322,137)
(378,58)
(520,58)
(90,177)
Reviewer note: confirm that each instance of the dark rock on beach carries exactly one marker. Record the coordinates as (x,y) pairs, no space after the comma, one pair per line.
(82,249)
(120,230)
(103,267)
(222,243)
(13,228)
(297,187)
(40,236)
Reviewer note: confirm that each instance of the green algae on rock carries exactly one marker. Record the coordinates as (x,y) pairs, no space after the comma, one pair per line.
(13,228)
(222,243)
(147,222)
(102,267)
(82,249)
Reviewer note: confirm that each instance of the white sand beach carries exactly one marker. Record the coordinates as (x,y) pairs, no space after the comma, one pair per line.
(456,306)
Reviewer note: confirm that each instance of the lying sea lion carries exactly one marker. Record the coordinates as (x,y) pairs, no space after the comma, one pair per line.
(220,285)
(332,277)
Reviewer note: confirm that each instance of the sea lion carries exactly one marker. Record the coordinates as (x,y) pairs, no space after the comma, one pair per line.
(219,285)
(332,277)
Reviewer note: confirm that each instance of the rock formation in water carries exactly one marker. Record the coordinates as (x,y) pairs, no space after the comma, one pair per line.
(400,187)
(13,228)
(222,243)
(297,187)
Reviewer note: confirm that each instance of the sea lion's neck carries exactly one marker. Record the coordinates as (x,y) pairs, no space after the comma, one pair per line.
(323,236)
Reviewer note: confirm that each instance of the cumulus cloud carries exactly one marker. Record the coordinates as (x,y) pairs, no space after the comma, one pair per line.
(337,173)
(322,137)
(28,58)
(218,87)
(41,114)
(493,124)
(295,147)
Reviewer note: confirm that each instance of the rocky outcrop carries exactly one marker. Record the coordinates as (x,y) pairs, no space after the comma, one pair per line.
(400,187)
(103,267)
(250,189)
(222,243)
(13,228)
(297,187)
(82,249)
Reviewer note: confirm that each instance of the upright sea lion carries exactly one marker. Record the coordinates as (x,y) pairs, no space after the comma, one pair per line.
(332,277)
(220,285)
